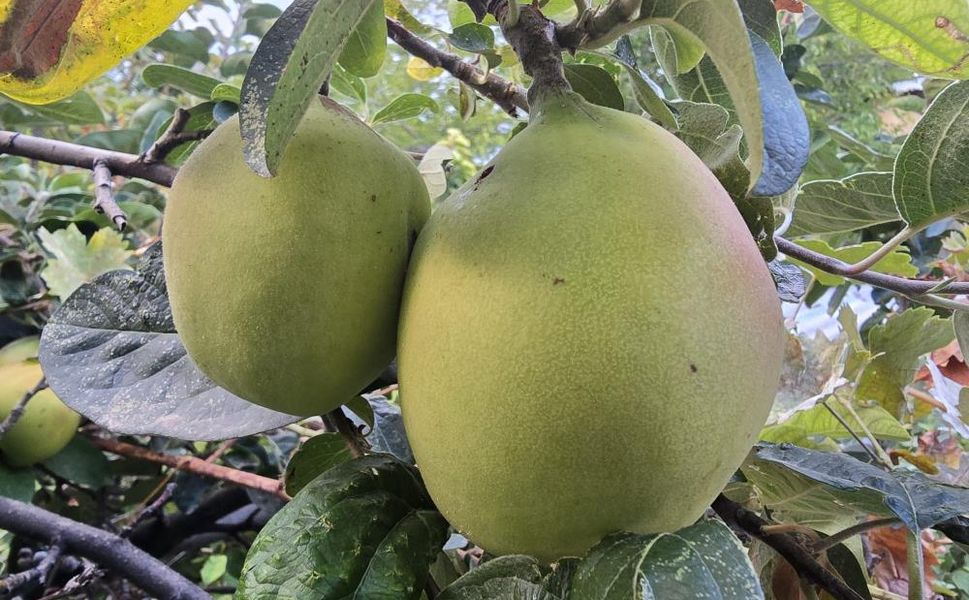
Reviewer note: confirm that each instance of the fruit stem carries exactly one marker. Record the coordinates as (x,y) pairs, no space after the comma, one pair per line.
(533,38)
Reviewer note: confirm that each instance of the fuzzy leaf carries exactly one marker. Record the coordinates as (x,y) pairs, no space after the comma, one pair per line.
(851,484)
(293,60)
(836,206)
(932,169)
(928,36)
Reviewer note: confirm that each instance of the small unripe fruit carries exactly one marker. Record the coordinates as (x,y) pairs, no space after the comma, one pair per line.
(286,291)
(590,340)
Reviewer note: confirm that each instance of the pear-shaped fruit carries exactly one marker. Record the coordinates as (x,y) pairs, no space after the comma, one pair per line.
(590,340)
(286,291)
(46,426)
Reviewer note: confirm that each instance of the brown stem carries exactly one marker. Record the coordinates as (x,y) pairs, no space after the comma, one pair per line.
(76,155)
(173,137)
(533,38)
(509,96)
(193,464)
(799,557)
(104,195)
(21,407)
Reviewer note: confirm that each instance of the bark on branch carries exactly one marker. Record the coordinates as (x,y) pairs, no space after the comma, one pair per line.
(509,96)
(193,465)
(794,553)
(76,155)
(104,548)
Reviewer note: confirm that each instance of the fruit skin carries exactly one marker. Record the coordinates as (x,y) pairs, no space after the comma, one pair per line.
(45,427)
(590,340)
(286,291)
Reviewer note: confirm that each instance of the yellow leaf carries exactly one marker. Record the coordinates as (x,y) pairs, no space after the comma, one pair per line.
(82,40)
(421,70)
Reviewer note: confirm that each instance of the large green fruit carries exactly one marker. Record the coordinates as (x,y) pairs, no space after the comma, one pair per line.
(45,427)
(590,340)
(286,291)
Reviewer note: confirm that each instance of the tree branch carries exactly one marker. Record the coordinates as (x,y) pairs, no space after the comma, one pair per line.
(509,96)
(907,287)
(21,407)
(76,155)
(533,38)
(193,465)
(173,137)
(41,571)
(794,553)
(104,195)
(106,549)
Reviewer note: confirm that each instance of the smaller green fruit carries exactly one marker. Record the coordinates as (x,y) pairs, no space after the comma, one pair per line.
(19,350)
(45,427)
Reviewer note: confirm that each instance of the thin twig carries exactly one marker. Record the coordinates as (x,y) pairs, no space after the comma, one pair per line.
(41,571)
(849,532)
(104,195)
(106,549)
(76,155)
(21,407)
(908,287)
(151,510)
(885,249)
(509,96)
(194,465)
(173,137)
(799,557)
(851,431)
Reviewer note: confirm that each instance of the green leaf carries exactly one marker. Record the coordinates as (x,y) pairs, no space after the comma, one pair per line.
(293,60)
(213,568)
(906,336)
(364,529)
(190,82)
(761,18)
(836,206)
(349,85)
(647,91)
(405,106)
(932,168)
(473,37)
(364,52)
(595,84)
(17,484)
(929,36)
(226,92)
(720,27)
(360,407)
(191,44)
(79,109)
(316,456)
(916,500)
(899,262)
(77,261)
(509,577)
(897,345)
(820,423)
(81,463)
(702,561)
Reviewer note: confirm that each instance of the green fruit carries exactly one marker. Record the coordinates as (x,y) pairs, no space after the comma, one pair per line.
(45,427)
(286,291)
(590,340)
(20,350)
